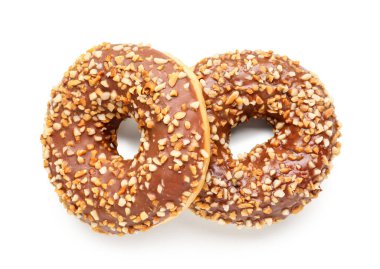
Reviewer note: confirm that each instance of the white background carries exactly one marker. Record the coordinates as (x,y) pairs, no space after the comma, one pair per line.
(338,41)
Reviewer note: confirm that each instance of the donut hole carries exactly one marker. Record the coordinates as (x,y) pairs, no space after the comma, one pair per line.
(128,139)
(247,135)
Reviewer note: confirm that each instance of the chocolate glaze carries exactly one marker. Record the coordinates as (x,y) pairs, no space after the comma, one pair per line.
(282,175)
(106,85)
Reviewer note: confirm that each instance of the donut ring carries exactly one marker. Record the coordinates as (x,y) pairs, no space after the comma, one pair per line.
(282,175)
(105,86)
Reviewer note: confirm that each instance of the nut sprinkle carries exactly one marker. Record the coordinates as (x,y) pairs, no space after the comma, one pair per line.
(106,85)
(280,176)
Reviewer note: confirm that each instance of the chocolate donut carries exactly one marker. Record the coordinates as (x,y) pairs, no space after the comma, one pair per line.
(278,177)
(106,85)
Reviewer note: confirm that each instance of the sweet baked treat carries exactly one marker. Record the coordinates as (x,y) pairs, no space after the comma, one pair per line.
(106,85)
(278,177)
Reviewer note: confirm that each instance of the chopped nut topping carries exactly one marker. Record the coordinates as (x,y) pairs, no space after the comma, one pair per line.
(306,77)
(94,214)
(143,216)
(152,167)
(241,85)
(232,98)
(179,115)
(239,174)
(103,87)
(173,77)
(175,153)
(204,154)
(279,193)
(160,60)
(194,105)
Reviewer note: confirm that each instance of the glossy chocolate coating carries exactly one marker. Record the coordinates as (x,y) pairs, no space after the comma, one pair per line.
(106,85)
(280,176)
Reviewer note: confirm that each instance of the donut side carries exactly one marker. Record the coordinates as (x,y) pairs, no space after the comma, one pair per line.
(204,119)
